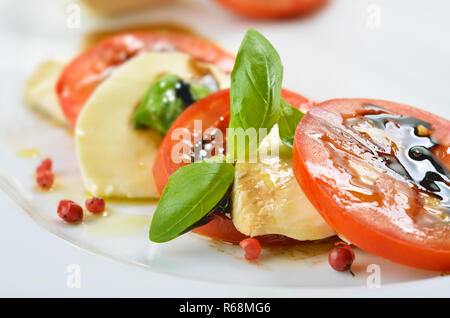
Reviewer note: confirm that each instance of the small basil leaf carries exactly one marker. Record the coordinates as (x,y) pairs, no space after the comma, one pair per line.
(191,193)
(159,105)
(165,100)
(199,91)
(255,89)
(288,121)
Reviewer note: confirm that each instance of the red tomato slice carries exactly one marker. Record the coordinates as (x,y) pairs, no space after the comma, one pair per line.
(80,77)
(213,111)
(356,163)
(271,8)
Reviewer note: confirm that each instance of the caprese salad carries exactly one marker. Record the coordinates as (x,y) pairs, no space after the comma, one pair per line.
(233,156)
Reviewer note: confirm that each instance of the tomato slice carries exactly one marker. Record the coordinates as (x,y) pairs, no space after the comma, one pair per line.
(221,228)
(271,8)
(377,171)
(80,77)
(214,112)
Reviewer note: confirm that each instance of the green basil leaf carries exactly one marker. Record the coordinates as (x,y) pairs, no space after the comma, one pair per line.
(199,91)
(255,89)
(165,100)
(191,193)
(288,122)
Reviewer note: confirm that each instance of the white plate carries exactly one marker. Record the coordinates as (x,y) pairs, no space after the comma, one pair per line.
(336,53)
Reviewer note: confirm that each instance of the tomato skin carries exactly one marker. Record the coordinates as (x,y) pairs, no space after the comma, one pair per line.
(213,111)
(429,253)
(82,75)
(271,8)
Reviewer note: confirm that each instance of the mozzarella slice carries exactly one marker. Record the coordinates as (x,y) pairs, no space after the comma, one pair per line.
(268,200)
(40,91)
(115,159)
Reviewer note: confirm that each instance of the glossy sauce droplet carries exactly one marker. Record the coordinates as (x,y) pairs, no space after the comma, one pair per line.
(415,160)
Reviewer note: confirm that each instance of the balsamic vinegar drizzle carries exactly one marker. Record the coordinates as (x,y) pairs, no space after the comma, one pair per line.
(182,91)
(415,162)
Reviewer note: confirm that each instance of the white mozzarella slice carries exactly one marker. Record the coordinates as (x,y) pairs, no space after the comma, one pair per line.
(268,200)
(116,160)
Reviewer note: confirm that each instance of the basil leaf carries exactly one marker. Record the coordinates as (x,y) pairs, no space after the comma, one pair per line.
(191,193)
(165,100)
(288,121)
(255,89)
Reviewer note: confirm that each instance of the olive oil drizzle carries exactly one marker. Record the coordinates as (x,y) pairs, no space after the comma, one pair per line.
(411,161)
